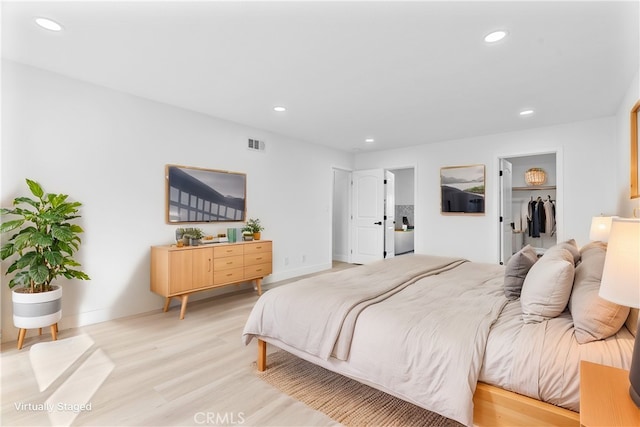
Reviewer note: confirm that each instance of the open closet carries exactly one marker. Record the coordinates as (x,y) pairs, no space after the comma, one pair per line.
(528,203)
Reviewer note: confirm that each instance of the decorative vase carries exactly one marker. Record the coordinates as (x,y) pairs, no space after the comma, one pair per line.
(31,311)
(256,235)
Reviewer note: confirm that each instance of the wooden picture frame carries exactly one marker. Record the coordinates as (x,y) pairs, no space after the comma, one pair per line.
(462,190)
(635,160)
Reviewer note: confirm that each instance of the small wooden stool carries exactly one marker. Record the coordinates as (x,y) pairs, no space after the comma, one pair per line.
(23,333)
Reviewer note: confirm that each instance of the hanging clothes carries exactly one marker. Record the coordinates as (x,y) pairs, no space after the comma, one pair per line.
(535,218)
(550,214)
(542,216)
(530,211)
(524,217)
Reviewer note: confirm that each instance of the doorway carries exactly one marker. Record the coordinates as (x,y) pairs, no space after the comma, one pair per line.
(396,210)
(528,212)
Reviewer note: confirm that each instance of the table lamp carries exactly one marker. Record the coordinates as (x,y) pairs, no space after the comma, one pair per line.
(621,282)
(600,228)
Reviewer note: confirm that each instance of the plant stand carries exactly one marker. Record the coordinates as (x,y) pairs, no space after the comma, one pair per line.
(23,332)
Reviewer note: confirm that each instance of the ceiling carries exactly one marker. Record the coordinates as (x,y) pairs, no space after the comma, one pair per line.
(402,73)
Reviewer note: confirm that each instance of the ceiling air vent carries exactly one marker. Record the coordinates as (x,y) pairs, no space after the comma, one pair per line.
(255,145)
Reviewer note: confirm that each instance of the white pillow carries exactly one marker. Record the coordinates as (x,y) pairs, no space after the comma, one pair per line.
(594,318)
(547,287)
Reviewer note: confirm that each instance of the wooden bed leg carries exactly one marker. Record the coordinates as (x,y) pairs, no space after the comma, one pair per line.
(262,356)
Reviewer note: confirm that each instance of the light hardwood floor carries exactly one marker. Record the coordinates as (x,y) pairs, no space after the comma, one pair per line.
(164,371)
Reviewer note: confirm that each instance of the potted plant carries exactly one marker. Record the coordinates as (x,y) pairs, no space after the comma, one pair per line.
(253,226)
(43,244)
(194,236)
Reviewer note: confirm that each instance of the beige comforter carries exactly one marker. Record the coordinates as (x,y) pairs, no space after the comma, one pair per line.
(414,325)
(317,315)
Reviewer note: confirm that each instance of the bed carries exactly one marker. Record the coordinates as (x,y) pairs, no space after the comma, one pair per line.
(479,343)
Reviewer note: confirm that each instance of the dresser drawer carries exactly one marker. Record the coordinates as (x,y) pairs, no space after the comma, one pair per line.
(228,276)
(228,262)
(258,247)
(257,258)
(225,251)
(258,270)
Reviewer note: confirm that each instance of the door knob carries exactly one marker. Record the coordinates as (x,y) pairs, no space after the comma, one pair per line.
(378,223)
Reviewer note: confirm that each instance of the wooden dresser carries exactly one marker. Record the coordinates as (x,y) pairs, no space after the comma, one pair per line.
(177,272)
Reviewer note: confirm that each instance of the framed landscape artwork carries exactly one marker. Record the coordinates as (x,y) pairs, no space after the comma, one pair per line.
(462,189)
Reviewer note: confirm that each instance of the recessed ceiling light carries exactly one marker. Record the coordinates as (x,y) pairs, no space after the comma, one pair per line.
(279,109)
(369,140)
(526,112)
(495,36)
(48,24)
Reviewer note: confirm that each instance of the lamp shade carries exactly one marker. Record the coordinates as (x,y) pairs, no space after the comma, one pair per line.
(621,275)
(600,229)
(535,176)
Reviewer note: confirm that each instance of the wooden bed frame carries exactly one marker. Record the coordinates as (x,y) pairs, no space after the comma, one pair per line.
(493,406)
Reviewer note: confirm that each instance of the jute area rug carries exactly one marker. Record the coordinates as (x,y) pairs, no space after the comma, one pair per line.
(343,399)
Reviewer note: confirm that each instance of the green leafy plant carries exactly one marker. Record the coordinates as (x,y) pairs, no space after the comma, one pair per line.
(45,241)
(193,233)
(253,226)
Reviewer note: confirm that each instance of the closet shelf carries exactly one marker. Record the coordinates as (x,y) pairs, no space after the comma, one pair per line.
(542,187)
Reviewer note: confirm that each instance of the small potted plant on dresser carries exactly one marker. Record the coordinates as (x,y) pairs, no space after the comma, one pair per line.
(193,235)
(43,243)
(254,227)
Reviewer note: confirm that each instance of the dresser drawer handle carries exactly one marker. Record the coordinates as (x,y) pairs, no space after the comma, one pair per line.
(259,258)
(229,262)
(229,274)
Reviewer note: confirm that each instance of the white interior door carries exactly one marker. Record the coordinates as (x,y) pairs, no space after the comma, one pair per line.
(368,216)
(506,208)
(389,215)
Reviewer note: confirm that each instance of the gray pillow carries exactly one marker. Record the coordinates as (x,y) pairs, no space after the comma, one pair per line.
(572,247)
(594,318)
(547,287)
(516,270)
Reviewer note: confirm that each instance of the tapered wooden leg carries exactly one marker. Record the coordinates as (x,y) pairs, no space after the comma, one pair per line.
(262,356)
(21,335)
(183,308)
(56,325)
(54,332)
(167,301)
(259,285)
(39,331)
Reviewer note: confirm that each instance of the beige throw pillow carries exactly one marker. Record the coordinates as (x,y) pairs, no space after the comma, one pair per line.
(594,318)
(547,287)
(516,270)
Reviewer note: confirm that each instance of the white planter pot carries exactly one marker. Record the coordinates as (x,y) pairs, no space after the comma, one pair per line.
(31,311)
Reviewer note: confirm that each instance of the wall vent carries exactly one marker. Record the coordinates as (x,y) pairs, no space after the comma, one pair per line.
(255,145)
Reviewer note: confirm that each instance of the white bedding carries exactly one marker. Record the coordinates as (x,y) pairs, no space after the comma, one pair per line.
(318,315)
(429,341)
(544,358)
(409,342)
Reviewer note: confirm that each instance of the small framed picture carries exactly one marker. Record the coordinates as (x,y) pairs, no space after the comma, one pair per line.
(462,189)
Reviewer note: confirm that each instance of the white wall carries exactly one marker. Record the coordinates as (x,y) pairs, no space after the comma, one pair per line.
(341,213)
(108,150)
(404,188)
(587,170)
